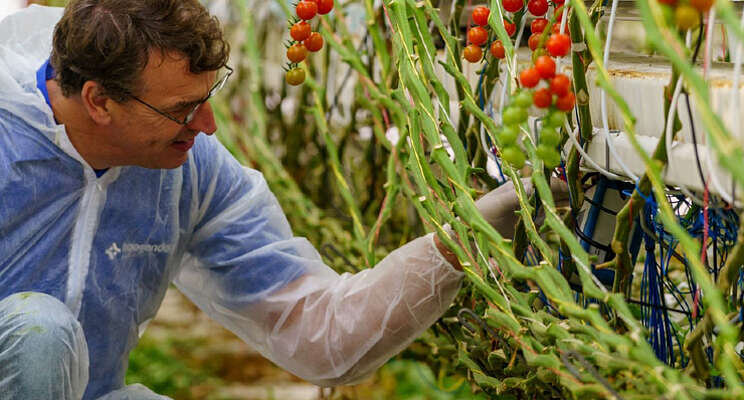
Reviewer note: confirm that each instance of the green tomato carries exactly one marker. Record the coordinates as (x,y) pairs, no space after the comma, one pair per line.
(555,119)
(514,156)
(686,17)
(523,114)
(550,156)
(523,99)
(512,115)
(554,160)
(509,134)
(550,136)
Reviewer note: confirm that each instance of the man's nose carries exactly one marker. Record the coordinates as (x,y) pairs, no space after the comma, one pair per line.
(204,120)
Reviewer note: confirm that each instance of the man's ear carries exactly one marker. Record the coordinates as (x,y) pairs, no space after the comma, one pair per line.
(96,103)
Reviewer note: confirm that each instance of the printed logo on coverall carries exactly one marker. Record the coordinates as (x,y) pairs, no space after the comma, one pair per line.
(132,249)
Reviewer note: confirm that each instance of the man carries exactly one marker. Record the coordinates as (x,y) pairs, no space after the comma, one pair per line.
(109,192)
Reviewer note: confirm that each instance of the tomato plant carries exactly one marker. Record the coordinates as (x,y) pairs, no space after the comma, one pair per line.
(295,76)
(306,9)
(314,42)
(477,35)
(480,15)
(497,49)
(472,53)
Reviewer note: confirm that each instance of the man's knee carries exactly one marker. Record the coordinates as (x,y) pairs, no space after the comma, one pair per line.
(36,314)
(42,347)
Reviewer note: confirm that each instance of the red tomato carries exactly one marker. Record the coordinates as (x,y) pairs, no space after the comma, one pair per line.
(538,25)
(701,5)
(560,85)
(512,5)
(314,42)
(472,53)
(480,15)
(542,98)
(556,28)
(558,44)
(545,66)
(306,9)
(324,6)
(300,31)
(477,35)
(537,8)
(558,13)
(296,52)
(497,49)
(566,103)
(559,3)
(529,77)
(533,41)
(510,28)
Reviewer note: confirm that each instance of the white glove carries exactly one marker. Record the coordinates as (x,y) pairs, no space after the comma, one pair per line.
(499,206)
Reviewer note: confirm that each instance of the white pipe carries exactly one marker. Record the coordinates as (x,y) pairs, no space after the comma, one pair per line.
(592,163)
(603,99)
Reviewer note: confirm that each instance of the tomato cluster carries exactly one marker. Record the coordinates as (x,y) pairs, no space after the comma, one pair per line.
(478,36)
(556,96)
(304,40)
(547,89)
(686,13)
(514,115)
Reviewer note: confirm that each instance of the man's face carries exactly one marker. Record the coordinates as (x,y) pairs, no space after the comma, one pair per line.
(141,136)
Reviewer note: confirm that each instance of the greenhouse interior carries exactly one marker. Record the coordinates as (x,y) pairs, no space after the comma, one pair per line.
(460,199)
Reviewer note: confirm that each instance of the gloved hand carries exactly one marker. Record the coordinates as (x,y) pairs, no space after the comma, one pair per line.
(499,206)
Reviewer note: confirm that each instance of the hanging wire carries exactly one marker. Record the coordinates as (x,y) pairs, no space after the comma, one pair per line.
(609,142)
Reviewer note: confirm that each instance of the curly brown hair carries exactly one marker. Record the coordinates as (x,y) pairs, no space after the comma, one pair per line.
(108,41)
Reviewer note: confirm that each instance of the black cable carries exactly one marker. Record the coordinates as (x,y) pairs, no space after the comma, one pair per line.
(694,140)
(589,240)
(336,95)
(601,207)
(689,109)
(565,359)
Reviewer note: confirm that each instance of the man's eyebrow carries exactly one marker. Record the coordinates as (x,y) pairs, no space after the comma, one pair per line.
(184,103)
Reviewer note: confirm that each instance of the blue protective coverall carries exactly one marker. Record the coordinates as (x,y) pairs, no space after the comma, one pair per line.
(108,247)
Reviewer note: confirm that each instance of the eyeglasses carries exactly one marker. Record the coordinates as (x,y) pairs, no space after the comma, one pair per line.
(192,113)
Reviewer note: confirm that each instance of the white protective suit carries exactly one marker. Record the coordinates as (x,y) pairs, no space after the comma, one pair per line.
(108,247)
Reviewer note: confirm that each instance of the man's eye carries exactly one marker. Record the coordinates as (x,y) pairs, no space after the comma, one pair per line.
(181,111)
